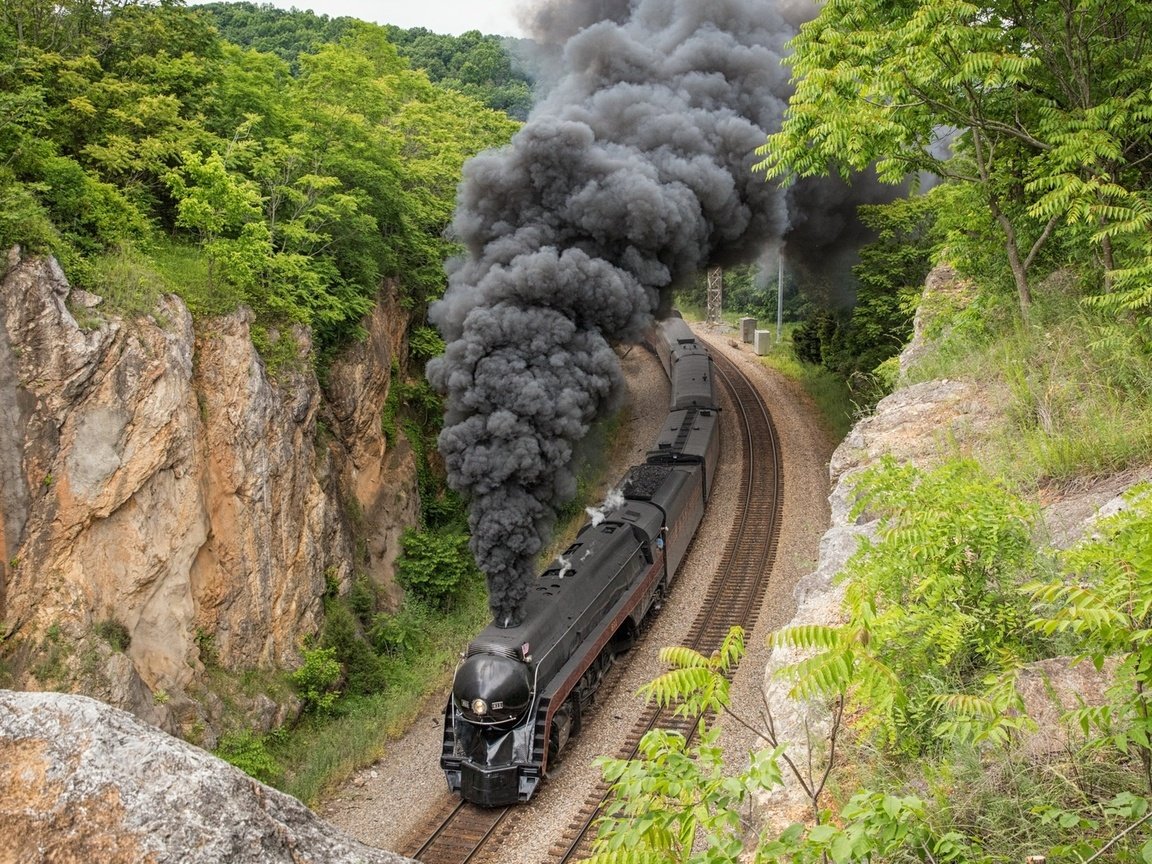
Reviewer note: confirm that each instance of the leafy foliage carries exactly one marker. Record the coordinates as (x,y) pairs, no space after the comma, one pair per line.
(973,796)
(473,64)
(270,30)
(1044,107)
(1107,604)
(129,122)
(435,565)
(698,683)
(248,752)
(677,795)
(890,275)
(317,678)
(932,604)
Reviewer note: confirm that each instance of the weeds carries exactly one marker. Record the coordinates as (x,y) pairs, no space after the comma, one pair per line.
(1079,390)
(114,633)
(828,390)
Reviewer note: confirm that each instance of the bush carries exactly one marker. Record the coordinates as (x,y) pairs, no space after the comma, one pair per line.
(933,603)
(248,752)
(317,679)
(402,634)
(435,565)
(114,633)
(364,670)
(23,219)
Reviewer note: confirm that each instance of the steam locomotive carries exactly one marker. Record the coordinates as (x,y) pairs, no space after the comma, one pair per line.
(519,693)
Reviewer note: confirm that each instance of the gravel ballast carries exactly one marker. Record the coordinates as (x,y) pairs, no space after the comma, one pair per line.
(382,804)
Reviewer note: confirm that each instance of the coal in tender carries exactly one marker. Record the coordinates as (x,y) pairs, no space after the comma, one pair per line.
(643,480)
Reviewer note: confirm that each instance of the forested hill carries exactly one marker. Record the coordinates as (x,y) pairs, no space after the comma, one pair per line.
(149,153)
(474,64)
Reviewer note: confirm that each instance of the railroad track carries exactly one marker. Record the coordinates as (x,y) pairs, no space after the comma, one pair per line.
(735,595)
(457,833)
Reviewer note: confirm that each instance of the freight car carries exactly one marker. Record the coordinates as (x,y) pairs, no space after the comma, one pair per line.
(520,692)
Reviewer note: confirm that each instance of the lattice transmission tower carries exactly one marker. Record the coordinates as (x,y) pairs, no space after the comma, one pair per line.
(715,295)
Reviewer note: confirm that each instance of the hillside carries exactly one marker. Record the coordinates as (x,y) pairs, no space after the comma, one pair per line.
(300,340)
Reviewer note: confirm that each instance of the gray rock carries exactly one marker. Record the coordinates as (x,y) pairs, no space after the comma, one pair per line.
(81,781)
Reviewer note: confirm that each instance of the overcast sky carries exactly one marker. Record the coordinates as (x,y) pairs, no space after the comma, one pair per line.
(439,16)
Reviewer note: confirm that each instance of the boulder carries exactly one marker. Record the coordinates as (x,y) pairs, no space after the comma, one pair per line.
(81,781)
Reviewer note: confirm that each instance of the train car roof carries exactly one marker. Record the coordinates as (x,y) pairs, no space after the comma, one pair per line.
(566,586)
(683,435)
(677,329)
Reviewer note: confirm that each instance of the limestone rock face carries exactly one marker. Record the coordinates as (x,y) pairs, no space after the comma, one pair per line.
(375,473)
(83,782)
(161,494)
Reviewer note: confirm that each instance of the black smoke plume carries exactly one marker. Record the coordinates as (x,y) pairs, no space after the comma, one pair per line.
(633,174)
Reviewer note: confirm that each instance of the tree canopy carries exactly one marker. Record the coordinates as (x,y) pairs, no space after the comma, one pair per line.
(128,126)
(1041,109)
(474,64)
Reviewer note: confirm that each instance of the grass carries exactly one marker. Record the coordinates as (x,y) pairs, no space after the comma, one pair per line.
(323,751)
(131,280)
(1076,387)
(1002,797)
(828,390)
(189,268)
(128,281)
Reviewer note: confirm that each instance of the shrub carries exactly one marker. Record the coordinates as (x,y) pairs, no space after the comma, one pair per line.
(425,342)
(402,634)
(365,672)
(316,680)
(434,565)
(114,633)
(248,752)
(933,604)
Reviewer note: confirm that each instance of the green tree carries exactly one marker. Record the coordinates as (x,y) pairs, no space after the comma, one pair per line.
(223,209)
(1049,100)
(265,29)
(1107,604)
(890,275)
(125,120)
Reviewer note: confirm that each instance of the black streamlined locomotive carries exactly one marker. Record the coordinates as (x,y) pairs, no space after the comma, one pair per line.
(519,692)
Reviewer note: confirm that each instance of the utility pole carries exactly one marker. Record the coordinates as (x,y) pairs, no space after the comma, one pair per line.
(780,298)
(715,295)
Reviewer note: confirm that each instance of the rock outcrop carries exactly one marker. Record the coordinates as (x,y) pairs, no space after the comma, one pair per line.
(920,424)
(164,501)
(83,782)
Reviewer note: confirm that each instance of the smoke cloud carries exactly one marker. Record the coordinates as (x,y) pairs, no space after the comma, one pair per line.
(632,174)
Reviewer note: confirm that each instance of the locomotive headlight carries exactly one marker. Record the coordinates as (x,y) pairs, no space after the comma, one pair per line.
(479,707)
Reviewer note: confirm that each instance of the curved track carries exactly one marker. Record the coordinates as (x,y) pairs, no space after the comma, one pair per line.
(736,592)
(456,833)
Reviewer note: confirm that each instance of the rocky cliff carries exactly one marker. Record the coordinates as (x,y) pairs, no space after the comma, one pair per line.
(82,782)
(165,502)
